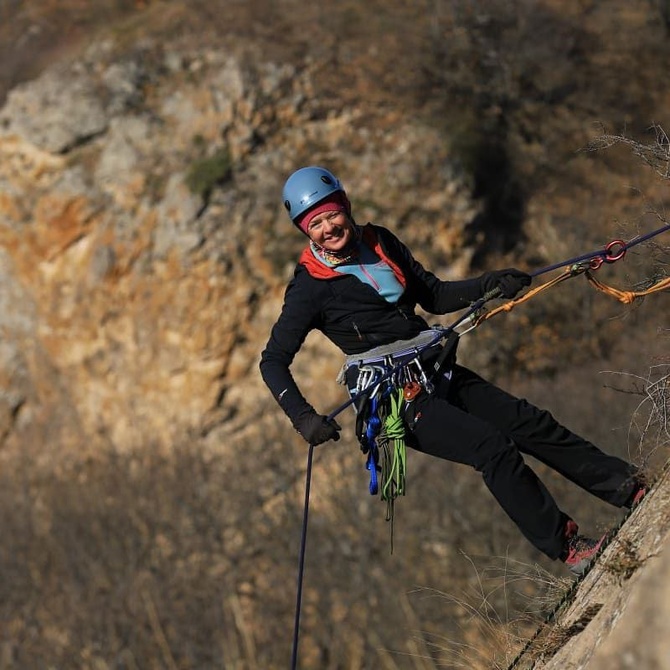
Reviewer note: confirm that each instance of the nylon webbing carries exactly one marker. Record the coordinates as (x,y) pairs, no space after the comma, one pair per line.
(371,433)
(511,304)
(627,297)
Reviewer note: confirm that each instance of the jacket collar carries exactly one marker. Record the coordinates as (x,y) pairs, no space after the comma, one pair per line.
(320,270)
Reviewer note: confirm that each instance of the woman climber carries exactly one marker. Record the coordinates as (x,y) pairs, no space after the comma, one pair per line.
(359,285)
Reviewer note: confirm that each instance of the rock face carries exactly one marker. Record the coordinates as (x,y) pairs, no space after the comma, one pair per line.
(61,111)
(617,617)
(130,282)
(641,637)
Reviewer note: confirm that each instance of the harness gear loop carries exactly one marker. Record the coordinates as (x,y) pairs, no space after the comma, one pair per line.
(382,383)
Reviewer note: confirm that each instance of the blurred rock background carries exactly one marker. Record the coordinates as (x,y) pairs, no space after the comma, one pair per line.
(151,492)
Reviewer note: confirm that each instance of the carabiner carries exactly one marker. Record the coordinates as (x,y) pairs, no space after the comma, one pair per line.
(607,255)
(611,257)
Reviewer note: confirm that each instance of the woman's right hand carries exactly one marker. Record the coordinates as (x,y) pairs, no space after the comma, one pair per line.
(316,428)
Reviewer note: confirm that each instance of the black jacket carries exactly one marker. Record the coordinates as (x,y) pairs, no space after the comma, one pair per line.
(352,314)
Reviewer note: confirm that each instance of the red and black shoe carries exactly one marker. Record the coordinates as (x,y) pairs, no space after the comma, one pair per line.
(579,550)
(636,498)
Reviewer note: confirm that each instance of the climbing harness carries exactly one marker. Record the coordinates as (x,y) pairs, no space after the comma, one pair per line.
(395,374)
(384,383)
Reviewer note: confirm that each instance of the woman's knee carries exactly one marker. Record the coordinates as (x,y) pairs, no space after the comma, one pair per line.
(497,454)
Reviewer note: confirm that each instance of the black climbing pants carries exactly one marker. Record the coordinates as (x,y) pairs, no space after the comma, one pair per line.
(469,420)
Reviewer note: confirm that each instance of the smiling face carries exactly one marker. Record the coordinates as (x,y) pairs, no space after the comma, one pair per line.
(332,231)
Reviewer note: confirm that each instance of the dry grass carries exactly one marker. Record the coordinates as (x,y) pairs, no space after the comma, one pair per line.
(625,561)
(120,561)
(506,602)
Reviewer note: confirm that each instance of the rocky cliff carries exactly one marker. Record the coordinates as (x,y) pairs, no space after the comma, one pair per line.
(614,618)
(141,228)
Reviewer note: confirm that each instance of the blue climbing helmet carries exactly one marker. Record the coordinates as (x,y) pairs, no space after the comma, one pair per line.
(307,187)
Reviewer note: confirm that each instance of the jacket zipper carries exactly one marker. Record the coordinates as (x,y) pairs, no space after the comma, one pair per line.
(369,276)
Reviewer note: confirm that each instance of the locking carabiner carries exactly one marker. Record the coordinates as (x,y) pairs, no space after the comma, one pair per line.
(613,251)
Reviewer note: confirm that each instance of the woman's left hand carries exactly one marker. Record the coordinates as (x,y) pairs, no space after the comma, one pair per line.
(509,281)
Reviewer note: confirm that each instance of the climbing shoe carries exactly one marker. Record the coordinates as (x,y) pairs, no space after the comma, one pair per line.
(637,496)
(579,550)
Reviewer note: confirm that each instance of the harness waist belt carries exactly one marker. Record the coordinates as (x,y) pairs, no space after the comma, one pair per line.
(396,351)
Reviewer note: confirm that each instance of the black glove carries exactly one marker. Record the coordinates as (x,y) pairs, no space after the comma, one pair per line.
(317,429)
(509,281)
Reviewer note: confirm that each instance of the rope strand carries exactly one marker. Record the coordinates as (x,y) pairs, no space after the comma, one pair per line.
(394,463)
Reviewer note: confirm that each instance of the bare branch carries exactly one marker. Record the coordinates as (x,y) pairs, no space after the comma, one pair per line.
(656,155)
